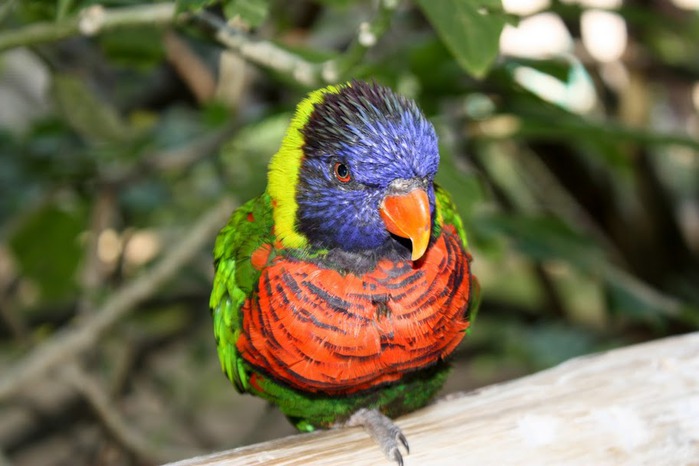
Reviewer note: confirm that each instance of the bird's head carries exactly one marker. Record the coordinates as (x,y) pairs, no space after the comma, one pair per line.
(355,172)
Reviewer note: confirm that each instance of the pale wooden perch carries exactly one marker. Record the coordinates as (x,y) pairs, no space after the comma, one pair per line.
(633,406)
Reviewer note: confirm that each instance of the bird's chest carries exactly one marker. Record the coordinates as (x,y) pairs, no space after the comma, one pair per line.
(323,331)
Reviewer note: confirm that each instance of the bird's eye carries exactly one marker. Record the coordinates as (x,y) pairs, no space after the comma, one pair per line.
(342,173)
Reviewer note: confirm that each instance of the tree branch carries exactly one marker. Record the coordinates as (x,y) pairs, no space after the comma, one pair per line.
(89,22)
(97,19)
(90,389)
(80,336)
(306,73)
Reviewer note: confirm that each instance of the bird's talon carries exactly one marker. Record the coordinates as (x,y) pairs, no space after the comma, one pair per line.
(404,441)
(383,431)
(396,456)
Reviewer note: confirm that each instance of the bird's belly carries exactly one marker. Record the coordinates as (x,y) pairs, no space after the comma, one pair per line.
(318,330)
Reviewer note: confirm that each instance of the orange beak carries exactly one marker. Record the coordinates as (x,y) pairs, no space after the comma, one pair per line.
(408,216)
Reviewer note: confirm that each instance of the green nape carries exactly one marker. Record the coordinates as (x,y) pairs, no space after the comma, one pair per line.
(308,412)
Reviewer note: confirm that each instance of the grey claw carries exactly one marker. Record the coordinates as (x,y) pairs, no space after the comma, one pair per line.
(386,434)
(404,441)
(397,457)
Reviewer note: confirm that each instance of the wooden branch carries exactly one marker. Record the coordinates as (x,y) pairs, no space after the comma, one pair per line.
(636,405)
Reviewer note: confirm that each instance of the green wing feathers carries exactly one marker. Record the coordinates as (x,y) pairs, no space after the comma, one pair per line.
(235,278)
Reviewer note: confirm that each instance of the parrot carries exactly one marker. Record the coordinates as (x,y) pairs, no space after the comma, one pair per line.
(340,292)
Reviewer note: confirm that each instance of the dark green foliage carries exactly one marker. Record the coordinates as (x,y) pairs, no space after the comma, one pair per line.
(469,29)
(47,247)
(251,12)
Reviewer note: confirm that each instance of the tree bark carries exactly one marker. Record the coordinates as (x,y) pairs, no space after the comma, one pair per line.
(635,405)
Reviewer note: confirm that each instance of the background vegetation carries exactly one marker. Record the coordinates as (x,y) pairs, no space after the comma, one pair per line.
(129,131)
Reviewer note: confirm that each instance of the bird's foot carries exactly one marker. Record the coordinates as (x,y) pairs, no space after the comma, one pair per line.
(383,431)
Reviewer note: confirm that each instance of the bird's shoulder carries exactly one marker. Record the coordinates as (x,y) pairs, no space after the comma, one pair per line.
(249,228)
(447,213)
(448,216)
(243,247)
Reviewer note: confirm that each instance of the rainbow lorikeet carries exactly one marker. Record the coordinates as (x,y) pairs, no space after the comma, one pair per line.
(341,291)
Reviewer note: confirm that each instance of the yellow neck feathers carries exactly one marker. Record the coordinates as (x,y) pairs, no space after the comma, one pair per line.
(284,171)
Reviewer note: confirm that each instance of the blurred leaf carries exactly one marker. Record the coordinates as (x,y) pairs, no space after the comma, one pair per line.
(162,321)
(144,199)
(141,48)
(469,28)
(552,343)
(37,10)
(31,165)
(193,5)
(465,188)
(6,8)
(215,114)
(630,297)
(178,126)
(47,249)
(437,71)
(548,238)
(336,3)
(535,347)
(45,10)
(622,301)
(64,7)
(556,67)
(246,155)
(251,12)
(538,115)
(507,278)
(92,118)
